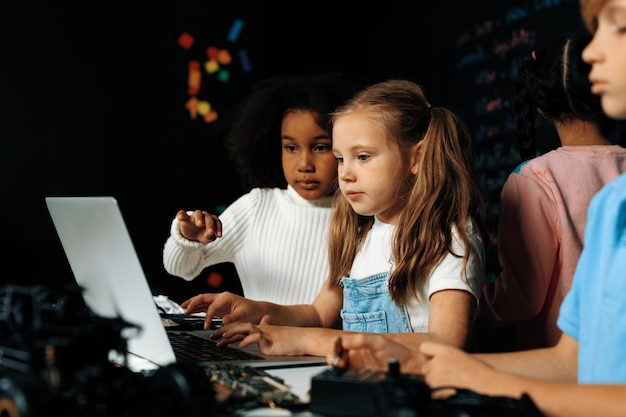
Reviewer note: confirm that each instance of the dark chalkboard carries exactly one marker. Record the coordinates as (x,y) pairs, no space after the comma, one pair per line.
(487,54)
(467,57)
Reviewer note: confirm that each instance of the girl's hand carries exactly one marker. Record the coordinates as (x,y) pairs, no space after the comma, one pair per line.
(230,307)
(200,226)
(271,340)
(447,368)
(374,351)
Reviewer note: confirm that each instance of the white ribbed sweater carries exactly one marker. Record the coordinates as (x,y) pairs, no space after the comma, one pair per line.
(276,239)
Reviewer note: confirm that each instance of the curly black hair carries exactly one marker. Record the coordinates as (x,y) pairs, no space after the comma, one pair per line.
(553,81)
(253,129)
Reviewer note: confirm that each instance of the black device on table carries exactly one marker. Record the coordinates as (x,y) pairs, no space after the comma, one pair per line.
(339,392)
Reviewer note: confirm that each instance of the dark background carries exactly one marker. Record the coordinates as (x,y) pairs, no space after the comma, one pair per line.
(93,101)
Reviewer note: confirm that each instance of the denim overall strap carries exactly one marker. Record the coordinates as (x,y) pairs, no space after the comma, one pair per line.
(368,307)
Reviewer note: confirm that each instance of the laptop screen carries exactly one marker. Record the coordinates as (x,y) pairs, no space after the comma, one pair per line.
(104,263)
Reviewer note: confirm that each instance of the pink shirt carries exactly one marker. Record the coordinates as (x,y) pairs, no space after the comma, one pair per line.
(540,237)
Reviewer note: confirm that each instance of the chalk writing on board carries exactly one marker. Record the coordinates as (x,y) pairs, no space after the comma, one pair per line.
(488,51)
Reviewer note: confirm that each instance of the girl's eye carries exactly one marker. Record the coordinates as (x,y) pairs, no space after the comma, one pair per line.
(322,148)
(290,148)
(363,157)
(339,159)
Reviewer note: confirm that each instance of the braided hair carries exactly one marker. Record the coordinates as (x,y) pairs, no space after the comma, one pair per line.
(553,83)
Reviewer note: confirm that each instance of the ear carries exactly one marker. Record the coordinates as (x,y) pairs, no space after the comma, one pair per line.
(415,157)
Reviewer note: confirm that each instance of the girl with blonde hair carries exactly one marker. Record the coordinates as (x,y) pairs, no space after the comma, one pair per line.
(406,240)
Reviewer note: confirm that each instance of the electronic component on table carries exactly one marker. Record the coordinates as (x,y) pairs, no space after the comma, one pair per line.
(243,387)
(339,392)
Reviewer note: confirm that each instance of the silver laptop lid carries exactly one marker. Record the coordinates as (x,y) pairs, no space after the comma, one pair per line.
(104,262)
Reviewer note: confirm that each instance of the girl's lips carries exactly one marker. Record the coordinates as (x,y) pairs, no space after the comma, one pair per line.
(597,86)
(353,195)
(309,185)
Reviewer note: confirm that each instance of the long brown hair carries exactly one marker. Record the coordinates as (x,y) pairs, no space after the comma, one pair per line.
(443,197)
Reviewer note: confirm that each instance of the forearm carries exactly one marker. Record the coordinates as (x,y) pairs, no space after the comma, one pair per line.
(547,364)
(410,340)
(317,341)
(410,360)
(556,399)
(301,315)
(182,261)
(572,400)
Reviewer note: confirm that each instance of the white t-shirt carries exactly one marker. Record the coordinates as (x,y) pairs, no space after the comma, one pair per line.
(374,257)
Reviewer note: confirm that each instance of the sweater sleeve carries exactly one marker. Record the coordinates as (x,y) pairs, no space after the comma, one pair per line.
(186,258)
(528,250)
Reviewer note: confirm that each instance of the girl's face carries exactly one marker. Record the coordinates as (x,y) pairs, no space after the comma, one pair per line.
(308,162)
(370,168)
(607,54)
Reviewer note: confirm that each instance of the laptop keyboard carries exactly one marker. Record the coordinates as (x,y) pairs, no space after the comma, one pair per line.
(189,348)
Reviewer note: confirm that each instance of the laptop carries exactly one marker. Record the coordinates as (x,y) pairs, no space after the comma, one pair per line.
(104,263)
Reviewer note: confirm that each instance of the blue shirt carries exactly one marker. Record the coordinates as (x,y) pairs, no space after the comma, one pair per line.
(594,311)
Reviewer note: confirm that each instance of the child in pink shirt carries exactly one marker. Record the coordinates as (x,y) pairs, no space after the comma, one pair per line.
(545,200)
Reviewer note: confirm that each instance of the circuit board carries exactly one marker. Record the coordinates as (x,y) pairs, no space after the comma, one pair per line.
(243,387)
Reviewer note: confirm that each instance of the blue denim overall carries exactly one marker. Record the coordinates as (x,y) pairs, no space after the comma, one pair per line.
(368,307)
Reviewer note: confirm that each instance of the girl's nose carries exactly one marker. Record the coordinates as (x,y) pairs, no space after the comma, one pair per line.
(591,53)
(306,163)
(344,173)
